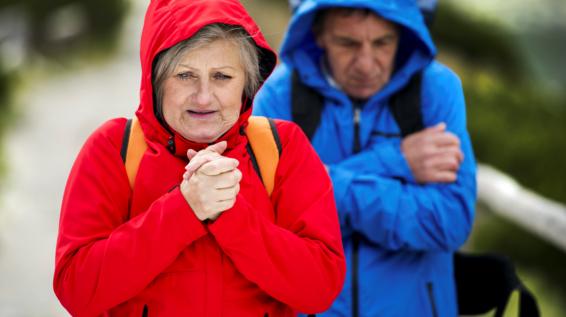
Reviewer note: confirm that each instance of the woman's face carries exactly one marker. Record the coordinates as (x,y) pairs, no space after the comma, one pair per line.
(203,95)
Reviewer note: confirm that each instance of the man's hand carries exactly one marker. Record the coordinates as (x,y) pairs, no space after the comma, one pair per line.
(434,155)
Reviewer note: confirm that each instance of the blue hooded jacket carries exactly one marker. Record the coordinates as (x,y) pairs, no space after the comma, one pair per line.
(409,230)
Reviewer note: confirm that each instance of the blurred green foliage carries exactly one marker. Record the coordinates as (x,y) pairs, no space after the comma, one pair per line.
(4,82)
(520,130)
(479,41)
(516,124)
(99,21)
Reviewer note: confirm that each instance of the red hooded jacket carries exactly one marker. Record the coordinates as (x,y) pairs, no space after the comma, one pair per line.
(143,252)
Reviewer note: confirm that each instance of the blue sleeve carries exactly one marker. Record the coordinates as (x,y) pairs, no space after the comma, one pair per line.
(386,159)
(397,214)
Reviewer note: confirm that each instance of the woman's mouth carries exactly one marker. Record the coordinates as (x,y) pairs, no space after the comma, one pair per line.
(201,114)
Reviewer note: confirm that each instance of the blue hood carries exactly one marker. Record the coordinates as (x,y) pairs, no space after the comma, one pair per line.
(416,49)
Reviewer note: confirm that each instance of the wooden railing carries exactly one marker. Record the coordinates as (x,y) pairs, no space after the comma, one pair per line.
(539,215)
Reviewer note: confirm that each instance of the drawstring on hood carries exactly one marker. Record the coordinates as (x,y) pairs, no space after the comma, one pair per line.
(168,22)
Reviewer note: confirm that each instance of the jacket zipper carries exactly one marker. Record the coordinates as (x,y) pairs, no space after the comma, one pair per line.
(145,312)
(430,289)
(357,117)
(355,236)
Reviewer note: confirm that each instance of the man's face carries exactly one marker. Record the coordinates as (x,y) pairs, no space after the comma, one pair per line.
(360,50)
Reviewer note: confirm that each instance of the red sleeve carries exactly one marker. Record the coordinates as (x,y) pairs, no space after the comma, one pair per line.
(102,257)
(298,260)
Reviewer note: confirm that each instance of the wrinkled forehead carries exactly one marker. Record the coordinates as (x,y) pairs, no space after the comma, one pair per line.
(345,21)
(215,54)
(347,18)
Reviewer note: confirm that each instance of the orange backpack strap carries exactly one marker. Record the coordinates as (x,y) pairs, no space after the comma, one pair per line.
(265,148)
(133,148)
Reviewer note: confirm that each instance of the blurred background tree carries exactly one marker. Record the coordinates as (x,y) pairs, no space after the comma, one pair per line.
(39,31)
(515,113)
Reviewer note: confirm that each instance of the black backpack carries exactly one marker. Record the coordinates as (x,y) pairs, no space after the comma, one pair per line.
(483,281)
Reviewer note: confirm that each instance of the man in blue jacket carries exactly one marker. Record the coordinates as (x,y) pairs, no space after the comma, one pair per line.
(405,203)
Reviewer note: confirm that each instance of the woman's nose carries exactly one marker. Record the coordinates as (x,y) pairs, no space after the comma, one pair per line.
(203,95)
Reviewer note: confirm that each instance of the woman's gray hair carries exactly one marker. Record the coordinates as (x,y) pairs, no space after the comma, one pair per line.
(166,62)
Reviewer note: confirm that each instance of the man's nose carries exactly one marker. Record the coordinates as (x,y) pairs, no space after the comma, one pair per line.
(365,60)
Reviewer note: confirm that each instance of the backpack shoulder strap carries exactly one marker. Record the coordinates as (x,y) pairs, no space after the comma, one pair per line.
(306,106)
(405,106)
(133,148)
(265,148)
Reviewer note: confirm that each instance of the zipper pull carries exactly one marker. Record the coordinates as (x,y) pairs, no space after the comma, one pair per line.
(357,147)
(357,115)
(171,144)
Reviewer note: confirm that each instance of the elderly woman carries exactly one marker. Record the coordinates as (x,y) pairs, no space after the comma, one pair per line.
(198,238)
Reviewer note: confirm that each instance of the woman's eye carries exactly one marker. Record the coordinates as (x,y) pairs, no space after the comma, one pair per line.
(185,75)
(220,76)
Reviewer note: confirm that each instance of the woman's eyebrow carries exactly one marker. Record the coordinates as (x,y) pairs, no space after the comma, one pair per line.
(215,67)
(186,66)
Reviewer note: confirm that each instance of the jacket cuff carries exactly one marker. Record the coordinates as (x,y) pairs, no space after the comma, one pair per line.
(193,228)
(230,225)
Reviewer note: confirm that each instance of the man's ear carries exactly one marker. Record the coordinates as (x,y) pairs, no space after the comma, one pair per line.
(319,39)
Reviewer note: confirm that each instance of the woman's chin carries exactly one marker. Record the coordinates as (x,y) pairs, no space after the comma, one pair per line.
(202,137)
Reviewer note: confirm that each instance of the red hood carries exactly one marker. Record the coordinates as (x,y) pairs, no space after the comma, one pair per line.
(168,22)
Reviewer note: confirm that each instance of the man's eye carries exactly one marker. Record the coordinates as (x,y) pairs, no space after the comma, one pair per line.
(384,42)
(347,44)
(221,76)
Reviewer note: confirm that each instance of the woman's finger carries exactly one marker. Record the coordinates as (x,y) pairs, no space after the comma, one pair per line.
(218,166)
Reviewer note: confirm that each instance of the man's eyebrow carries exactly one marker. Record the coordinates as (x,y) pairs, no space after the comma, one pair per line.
(386,37)
(344,38)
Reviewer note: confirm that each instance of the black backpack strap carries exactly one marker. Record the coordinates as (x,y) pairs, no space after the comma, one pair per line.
(254,161)
(405,106)
(306,105)
(275,133)
(528,304)
(126,140)
(485,282)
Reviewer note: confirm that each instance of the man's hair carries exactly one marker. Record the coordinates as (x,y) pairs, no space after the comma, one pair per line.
(166,62)
(320,17)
